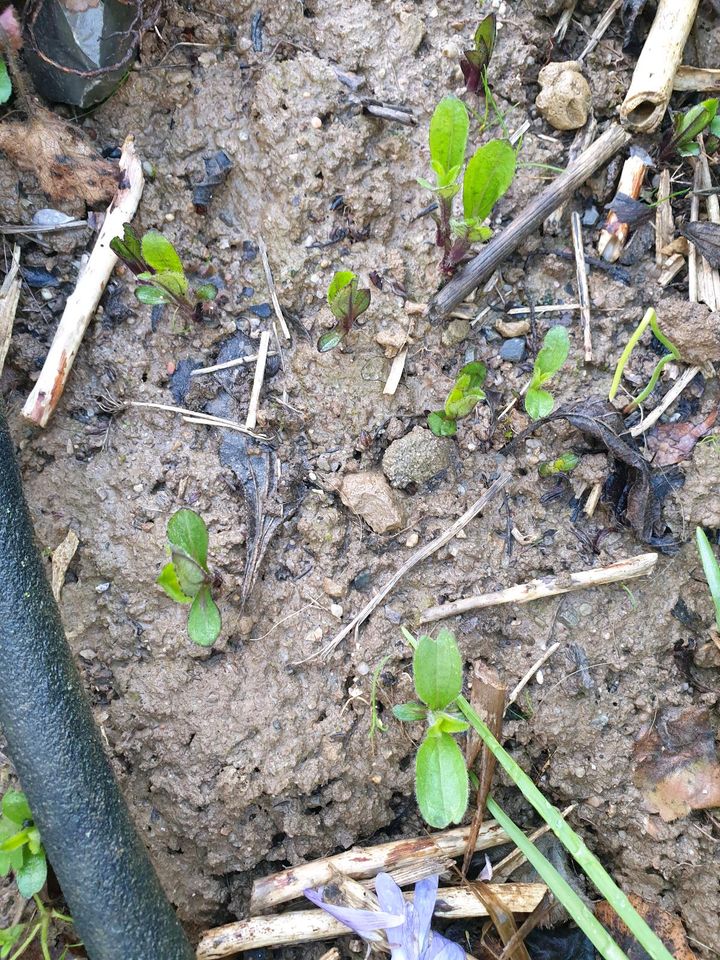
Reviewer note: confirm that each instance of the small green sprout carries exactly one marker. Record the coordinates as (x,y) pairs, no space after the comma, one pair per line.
(711,568)
(565,463)
(649,320)
(462,400)
(187,578)
(553,354)
(21,848)
(474,63)
(5,93)
(155,262)
(688,125)
(488,176)
(20,937)
(347,301)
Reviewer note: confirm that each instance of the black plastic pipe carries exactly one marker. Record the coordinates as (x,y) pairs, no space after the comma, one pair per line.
(112,891)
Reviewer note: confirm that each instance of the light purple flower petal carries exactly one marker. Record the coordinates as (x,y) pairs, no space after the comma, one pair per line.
(442,949)
(486,873)
(391,900)
(363,922)
(423,906)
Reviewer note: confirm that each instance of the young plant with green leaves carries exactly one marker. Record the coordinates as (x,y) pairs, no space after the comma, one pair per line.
(551,356)
(687,126)
(474,62)
(711,569)
(487,177)
(649,320)
(159,270)
(565,463)
(187,577)
(347,301)
(437,669)
(21,848)
(15,941)
(461,401)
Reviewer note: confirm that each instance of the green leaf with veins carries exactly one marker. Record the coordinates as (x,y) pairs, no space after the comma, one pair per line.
(15,807)
(187,530)
(441,780)
(175,283)
(168,580)
(329,340)
(467,392)
(129,249)
(442,425)
(539,403)
(152,296)
(204,621)
(5,83)
(340,280)
(437,670)
(160,254)
(31,876)
(488,176)
(410,712)
(552,355)
(448,135)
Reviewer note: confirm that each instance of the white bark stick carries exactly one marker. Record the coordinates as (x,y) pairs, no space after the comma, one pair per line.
(547,587)
(251,421)
(83,301)
(654,76)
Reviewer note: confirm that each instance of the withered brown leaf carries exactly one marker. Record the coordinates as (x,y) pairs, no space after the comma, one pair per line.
(706,237)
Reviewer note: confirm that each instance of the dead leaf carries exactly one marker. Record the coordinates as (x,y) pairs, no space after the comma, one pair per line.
(706,237)
(62,555)
(676,764)
(67,168)
(673,442)
(664,924)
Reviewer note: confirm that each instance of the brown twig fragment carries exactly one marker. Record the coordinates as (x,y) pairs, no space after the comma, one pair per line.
(422,554)
(652,82)
(543,587)
(306,925)
(614,234)
(83,301)
(499,249)
(601,29)
(9,298)
(564,21)
(664,222)
(525,680)
(582,282)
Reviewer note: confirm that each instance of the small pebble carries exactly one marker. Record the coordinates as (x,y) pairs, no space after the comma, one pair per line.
(169,217)
(336,610)
(316,123)
(513,350)
(363,669)
(102,588)
(512,328)
(412,540)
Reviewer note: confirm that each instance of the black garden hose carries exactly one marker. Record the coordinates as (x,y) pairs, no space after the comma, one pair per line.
(112,891)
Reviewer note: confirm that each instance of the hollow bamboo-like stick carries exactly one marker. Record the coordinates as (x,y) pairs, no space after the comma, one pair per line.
(652,82)
(363,862)
(697,79)
(83,301)
(302,926)
(543,587)
(499,249)
(614,234)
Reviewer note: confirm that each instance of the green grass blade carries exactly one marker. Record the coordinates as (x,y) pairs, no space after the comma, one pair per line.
(711,569)
(592,928)
(589,863)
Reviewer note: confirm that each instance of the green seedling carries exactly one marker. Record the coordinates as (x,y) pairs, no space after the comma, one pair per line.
(552,355)
(488,176)
(462,400)
(649,320)
(347,301)
(711,568)
(5,93)
(21,849)
(442,785)
(474,62)
(17,940)
(687,126)
(187,578)
(565,463)
(158,268)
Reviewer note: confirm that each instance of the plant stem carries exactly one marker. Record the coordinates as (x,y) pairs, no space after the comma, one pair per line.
(443,225)
(589,863)
(629,347)
(592,928)
(711,568)
(26,943)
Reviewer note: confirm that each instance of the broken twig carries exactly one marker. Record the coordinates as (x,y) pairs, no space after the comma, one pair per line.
(9,297)
(582,281)
(670,397)
(272,289)
(251,421)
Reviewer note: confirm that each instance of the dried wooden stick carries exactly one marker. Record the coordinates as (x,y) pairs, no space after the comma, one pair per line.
(422,554)
(251,421)
(499,249)
(601,29)
(564,21)
(670,397)
(543,587)
(582,281)
(672,268)
(697,79)
(9,298)
(707,277)
(614,234)
(228,365)
(271,287)
(652,82)
(664,223)
(362,862)
(524,681)
(302,926)
(83,301)
(581,141)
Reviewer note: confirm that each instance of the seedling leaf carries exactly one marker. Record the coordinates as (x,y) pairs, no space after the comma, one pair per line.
(186,530)
(553,354)
(329,340)
(160,254)
(441,780)
(448,134)
(442,425)
(488,176)
(175,283)
(5,83)
(688,125)
(342,279)
(206,292)
(129,249)
(711,569)
(437,670)
(539,403)
(151,296)
(168,580)
(485,38)
(31,876)
(15,807)
(467,392)
(204,622)
(410,712)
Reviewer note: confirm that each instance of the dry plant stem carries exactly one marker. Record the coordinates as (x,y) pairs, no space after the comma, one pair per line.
(708,279)
(332,954)
(564,21)
(614,234)
(302,926)
(422,554)
(593,500)
(697,80)
(693,254)
(543,587)
(228,365)
(531,672)
(499,249)
(664,223)
(652,82)
(9,297)
(83,301)
(193,416)
(271,287)
(670,397)
(582,282)
(601,29)
(396,372)
(672,268)
(516,858)
(251,421)
(542,308)
(363,862)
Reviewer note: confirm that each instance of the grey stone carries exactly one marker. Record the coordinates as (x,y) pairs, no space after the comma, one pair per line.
(416,458)
(513,350)
(455,332)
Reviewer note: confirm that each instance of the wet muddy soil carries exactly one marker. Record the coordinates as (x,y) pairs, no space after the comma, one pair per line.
(254,755)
